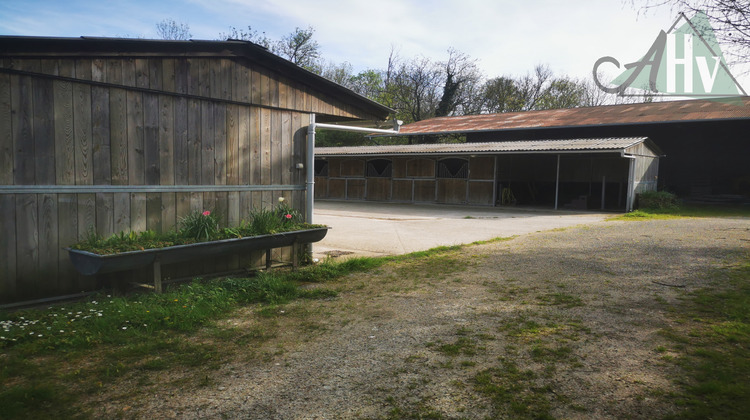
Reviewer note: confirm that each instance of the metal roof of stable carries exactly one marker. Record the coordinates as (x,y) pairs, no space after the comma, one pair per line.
(594,145)
(643,113)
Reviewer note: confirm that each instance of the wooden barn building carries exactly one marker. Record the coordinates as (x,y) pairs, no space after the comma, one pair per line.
(110,135)
(562,158)
(558,173)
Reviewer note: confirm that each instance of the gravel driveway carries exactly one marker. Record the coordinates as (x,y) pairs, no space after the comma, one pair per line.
(566,321)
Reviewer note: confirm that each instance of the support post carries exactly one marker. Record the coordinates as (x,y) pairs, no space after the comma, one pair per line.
(604,184)
(310,175)
(630,200)
(557,182)
(494,184)
(157,275)
(295,257)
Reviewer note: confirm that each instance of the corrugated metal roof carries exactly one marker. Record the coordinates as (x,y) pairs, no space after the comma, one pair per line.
(572,145)
(645,113)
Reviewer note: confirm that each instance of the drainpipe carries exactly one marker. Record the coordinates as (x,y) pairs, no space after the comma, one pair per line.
(310,173)
(311,158)
(311,153)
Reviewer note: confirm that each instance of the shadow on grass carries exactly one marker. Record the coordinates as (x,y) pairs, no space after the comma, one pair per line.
(712,342)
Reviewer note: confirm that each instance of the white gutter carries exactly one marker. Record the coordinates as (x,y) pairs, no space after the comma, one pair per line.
(361,129)
(310,173)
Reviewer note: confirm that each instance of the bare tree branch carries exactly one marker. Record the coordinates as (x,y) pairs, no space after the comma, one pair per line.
(172,30)
(730,20)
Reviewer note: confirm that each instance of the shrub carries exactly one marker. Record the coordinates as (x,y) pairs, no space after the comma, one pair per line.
(199,226)
(264,221)
(288,215)
(657,200)
(281,218)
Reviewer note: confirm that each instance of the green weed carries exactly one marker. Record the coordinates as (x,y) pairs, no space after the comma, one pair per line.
(686,210)
(561,299)
(712,350)
(513,392)
(462,346)
(37,400)
(139,333)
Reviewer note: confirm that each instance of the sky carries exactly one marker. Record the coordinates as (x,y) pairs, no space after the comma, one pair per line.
(506,37)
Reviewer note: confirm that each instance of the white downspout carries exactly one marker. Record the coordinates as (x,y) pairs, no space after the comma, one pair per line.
(310,173)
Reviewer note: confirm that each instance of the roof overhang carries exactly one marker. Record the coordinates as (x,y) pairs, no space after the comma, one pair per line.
(619,145)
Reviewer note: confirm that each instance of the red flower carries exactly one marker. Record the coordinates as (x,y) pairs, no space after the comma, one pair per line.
(288,216)
(206,213)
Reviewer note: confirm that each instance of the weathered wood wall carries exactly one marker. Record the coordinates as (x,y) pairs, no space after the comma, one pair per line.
(120,143)
(413,180)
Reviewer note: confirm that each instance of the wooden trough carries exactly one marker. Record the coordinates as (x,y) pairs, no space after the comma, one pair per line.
(89,264)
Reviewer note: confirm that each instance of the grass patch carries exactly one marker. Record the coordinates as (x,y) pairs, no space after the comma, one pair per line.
(36,400)
(329,269)
(686,210)
(513,392)
(712,345)
(560,299)
(647,215)
(52,357)
(495,240)
(539,347)
(401,410)
(435,263)
(462,346)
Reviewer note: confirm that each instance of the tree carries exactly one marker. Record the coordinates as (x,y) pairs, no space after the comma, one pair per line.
(247,35)
(594,96)
(505,94)
(540,90)
(369,83)
(342,73)
(421,88)
(172,30)
(461,85)
(531,87)
(501,95)
(562,93)
(299,48)
(447,102)
(415,88)
(730,20)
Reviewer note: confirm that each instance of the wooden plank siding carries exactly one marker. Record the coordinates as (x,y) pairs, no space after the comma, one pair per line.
(117,125)
(412,179)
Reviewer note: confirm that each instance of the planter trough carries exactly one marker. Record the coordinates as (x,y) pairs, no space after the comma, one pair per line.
(88,263)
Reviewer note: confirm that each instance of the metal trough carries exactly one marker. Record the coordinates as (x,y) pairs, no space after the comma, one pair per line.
(88,263)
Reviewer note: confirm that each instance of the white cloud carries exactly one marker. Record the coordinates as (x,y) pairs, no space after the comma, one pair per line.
(506,37)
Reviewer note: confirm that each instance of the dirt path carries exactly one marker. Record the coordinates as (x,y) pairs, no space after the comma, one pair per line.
(562,323)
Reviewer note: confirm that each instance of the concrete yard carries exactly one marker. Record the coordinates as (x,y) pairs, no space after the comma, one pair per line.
(372,229)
